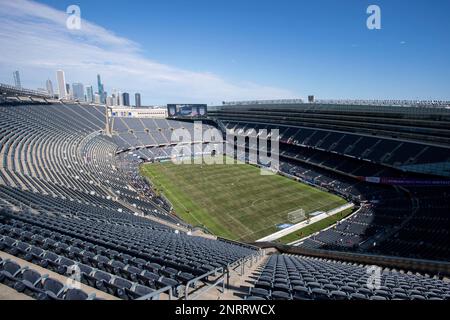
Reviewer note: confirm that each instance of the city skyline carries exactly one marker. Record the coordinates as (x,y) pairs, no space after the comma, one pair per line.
(337,58)
(81,92)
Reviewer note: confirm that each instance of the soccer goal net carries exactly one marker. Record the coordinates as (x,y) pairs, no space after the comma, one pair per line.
(296,216)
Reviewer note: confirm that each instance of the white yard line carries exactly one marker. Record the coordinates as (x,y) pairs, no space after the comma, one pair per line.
(298,226)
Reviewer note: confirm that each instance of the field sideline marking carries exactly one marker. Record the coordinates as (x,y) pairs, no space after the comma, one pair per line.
(297,242)
(298,226)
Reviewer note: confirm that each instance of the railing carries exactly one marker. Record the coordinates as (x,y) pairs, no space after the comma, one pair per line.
(400,103)
(280,101)
(152,296)
(223,278)
(241,263)
(220,280)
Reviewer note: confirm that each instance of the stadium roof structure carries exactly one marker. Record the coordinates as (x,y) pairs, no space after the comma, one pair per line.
(8,90)
(393,103)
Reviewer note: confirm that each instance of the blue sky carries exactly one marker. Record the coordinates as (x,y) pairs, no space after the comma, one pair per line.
(209,51)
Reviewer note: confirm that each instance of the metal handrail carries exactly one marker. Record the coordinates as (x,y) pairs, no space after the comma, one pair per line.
(218,281)
(150,296)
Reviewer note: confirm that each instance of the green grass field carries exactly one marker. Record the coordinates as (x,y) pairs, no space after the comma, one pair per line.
(235,201)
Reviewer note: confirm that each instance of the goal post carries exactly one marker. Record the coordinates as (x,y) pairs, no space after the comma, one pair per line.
(296,216)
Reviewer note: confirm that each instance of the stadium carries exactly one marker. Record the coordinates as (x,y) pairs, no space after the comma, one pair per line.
(95,207)
(240,158)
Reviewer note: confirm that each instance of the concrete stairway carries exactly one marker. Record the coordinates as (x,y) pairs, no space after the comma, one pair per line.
(240,279)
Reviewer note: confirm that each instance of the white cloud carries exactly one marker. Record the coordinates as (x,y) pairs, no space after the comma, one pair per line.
(34,39)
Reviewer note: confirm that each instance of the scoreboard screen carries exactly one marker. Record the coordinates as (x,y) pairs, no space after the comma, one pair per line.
(186,110)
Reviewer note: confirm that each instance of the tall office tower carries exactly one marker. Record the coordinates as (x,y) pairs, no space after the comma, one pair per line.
(126,99)
(49,86)
(115,101)
(69,92)
(78,91)
(97,98)
(61,80)
(17,83)
(119,99)
(89,94)
(137,100)
(109,101)
(101,89)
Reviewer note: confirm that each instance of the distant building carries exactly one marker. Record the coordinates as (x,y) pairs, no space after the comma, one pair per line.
(119,99)
(115,98)
(126,99)
(69,92)
(97,98)
(101,90)
(110,101)
(49,87)
(17,82)
(61,81)
(89,94)
(137,100)
(78,91)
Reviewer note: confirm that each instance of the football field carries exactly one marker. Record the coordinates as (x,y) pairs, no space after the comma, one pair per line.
(235,201)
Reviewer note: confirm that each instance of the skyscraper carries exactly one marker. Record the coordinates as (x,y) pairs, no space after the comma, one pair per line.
(49,86)
(78,91)
(90,94)
(109,101)
(115,98)
(61,80)
(119,99)
(137,100)
(101,89)
(126,99)
(17,83)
